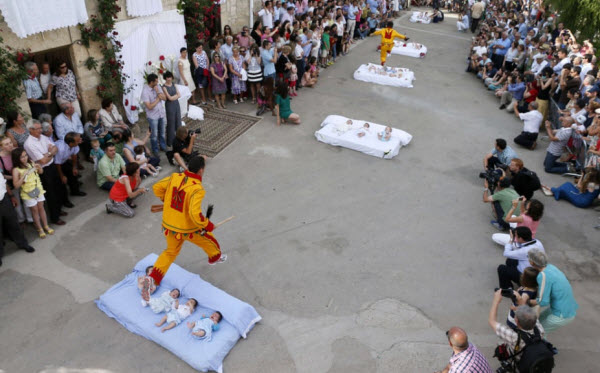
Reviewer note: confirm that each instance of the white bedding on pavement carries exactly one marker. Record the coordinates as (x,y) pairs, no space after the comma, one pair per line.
(372,73)
(335,131)
(409,49)
(420,17)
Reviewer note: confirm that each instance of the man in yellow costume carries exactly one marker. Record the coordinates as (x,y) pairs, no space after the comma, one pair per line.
(387,40)
(182,195)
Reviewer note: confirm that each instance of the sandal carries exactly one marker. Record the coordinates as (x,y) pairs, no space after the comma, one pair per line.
(49,230)
(235,101)
(42,233)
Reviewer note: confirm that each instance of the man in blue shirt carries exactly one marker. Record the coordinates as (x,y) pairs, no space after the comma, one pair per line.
(501,155)
(500,47)
(351,23)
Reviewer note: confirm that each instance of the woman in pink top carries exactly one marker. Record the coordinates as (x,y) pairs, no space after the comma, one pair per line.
(531,214)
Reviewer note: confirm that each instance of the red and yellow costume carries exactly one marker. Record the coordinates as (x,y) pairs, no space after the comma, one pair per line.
(182,194)
(387,41)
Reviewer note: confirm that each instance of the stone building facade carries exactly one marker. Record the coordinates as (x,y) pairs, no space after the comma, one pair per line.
(64,43)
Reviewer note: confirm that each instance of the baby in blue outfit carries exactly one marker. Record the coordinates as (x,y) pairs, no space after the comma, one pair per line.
(203,328)
(386,135)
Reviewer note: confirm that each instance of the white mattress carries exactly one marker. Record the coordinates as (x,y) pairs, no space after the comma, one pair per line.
(336,132)
(373,76)
(409,49)
(419,17)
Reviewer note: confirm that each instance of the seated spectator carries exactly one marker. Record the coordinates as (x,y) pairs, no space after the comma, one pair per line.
(283,111)
(532,120)
(558,141)
(124,191)
(581,195)
(67,121)
(463,22)
(531,213)
(501,202)
(111,119)
(66,162)
(525,292)
(515,252)
(524,181)
(465,356)
(129,144)
(183,148)
(110,166)
(94,128)
(500,156)
(47,129)
(554,291)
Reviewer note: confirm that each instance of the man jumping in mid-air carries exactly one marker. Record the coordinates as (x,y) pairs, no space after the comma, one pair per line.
(387,40)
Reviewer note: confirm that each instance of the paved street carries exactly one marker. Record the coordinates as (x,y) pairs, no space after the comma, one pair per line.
(356,264)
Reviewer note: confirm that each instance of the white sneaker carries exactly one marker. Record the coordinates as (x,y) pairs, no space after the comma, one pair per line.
(222,259)
(155,174)
(158,168)
(144,303)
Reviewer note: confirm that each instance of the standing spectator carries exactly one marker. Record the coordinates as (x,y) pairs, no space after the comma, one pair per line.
(66,163)
(466,358)
(16,129)
(351,22)
(554,291)
(256,32)
(266,14)
(8,220)
(569,79)
(152,97)
(124,191)
(26,177)
(45,77)
(34,92)
(66,87)
(42,150)
(544,82)
(109,168)
(67,121)
(6,148)
(235,67)
(218,71)
(243,37)
(110,117)
(532,120)
(499,48)
(476,13)
(227,48)
(185,75)
(255,75)
(172,108)
(558,141)
(201,62)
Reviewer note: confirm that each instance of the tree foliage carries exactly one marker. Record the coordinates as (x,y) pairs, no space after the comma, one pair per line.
(12,74)
(581,16)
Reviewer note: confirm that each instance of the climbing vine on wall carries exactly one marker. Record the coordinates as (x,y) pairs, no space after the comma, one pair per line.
(202,19)
(12,74)
(100,30)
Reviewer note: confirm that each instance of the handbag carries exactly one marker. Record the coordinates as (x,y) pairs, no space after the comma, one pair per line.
(34,193)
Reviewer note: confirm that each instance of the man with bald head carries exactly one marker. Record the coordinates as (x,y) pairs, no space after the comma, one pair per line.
(466,358)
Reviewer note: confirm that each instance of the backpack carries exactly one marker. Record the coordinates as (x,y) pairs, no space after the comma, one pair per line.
(535,180)
(537,356)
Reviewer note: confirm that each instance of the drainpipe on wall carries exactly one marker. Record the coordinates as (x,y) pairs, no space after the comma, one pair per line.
(251,13)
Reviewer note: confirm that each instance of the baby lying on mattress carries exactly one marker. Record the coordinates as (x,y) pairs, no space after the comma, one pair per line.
(203,328)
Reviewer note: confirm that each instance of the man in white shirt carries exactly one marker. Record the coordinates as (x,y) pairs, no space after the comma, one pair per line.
(539,63)
(277,11)
(516,253)
(67,121)
(9,220)
(42,150)
(562,55)
(45,77)
(266,14)
(227,49)
(66,162)
(532,120)
(288,16)
(586,67)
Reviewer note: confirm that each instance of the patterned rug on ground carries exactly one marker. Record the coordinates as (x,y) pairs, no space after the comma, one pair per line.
(219,129)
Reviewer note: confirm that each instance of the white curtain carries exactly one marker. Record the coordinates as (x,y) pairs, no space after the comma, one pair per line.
(141,8)
(145,39)
(28,17)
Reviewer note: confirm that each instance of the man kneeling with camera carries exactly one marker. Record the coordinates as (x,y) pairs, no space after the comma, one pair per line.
(524,348)
(183,146)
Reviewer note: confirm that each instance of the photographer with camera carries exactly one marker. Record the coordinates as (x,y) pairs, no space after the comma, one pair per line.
(524,181)
(532,120)
(466,358)
(521,241)
(500,156)
(501,200)
(183,147)
(525,348)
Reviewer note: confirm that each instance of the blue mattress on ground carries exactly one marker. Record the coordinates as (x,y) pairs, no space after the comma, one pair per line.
(122,302)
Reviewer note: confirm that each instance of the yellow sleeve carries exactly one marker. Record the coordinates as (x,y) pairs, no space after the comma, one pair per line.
(195,211)
(378,32)
(160,188)
(397,35)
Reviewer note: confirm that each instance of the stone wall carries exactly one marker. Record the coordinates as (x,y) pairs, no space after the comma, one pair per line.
(87,80)
(236,13)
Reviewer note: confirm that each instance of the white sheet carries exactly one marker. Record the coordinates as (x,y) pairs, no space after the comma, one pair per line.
(334,132)
(409,49)
(372,73)
(28,17)
(420,17)
(140,8)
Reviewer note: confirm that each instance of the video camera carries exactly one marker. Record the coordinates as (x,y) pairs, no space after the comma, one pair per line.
(492,177)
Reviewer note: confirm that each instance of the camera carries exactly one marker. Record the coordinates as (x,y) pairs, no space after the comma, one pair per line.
(197,131)
(492,177)
(506,359)
(507,293)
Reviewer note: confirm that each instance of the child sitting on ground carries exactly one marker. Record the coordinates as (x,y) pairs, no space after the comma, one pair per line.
(203,328)
(175,316)
(386,135)
(140,156)
(146,285)
(527,290)
(96,153)
(310,75)
(166,302)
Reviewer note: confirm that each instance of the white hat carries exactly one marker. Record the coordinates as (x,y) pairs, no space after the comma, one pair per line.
(539,55)
(581,119)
